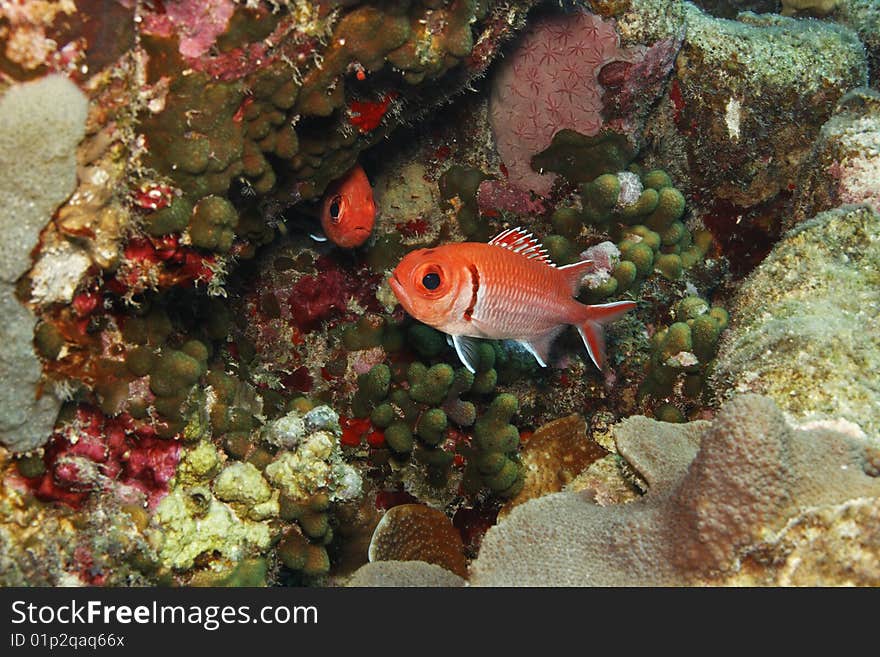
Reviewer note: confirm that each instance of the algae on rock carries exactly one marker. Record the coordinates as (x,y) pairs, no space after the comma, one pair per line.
(756,90)
(803,328)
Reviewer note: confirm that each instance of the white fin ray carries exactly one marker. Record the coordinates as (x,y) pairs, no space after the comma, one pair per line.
(540,345)
(467,350)
(523,243)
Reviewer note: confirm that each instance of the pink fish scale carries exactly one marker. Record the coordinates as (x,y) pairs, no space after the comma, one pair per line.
(549,83)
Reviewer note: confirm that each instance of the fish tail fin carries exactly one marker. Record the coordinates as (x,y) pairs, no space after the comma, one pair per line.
(574,274)
(591,328)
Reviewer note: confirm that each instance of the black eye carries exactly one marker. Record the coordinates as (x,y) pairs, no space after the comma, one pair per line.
(431,281)
(334,209)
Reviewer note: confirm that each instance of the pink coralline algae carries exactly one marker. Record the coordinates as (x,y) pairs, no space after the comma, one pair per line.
(94,453)
(495,195)
(198,24)
(550,83)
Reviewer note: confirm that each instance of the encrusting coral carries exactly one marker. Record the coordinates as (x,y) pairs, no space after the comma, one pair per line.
(403,573)
(41,173)
(715,491)
(248,406)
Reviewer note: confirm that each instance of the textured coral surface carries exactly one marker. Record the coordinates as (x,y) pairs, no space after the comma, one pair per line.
(814,294)
(714,490)
(549,83)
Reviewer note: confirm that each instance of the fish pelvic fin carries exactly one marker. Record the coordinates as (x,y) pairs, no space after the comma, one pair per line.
(574,274)
(591,328)
(468,352)
(539,346)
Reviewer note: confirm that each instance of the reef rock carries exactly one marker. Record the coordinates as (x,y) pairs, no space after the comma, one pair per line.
(844,166)
(756,90)
(861,16)
(717,491)
(803,323)
(40,125)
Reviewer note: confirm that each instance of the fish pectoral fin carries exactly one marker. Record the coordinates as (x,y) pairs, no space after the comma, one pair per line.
(540,345)
(467,349)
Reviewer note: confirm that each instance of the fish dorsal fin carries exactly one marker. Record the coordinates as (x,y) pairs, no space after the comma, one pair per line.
(519,241)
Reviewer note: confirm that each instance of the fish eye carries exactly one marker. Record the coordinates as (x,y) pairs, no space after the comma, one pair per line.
(431,281)
(335,208)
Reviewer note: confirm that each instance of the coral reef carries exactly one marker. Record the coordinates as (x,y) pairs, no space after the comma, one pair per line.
(815,293)
(715,491)
(244,405)
(733,75)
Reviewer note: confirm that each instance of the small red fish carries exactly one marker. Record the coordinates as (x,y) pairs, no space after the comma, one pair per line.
(504,290)
(348,211)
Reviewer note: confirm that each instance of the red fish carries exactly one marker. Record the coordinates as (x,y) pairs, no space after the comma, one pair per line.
(506,289)
(348,211)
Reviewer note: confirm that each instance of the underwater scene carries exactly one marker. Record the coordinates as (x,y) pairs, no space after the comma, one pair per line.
(440,293)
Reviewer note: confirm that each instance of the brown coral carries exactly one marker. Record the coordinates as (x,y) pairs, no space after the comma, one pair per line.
(412,532)
(554,455)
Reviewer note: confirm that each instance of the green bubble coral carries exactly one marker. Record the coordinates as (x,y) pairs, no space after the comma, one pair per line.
(670,206)
(399,437)
(432,386)
(493,431)
(624,273)
(567,222)
(656,179)
(669,266)
(431,426)
(642,256)
(427,341)
(372,388)
(174,372)
(170,219)
(644,205)
(212,223)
